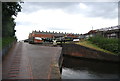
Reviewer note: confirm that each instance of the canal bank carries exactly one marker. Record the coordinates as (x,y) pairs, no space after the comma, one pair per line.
(79,62)
(6,49)
(83,52)
(39,62)
(82,63)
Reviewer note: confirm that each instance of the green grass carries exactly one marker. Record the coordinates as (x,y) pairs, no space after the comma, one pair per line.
(93,46)
(110,44)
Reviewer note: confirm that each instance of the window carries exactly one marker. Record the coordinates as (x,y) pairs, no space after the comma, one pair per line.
(38,38)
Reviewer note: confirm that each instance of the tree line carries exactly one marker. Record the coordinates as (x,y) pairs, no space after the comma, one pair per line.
(9,9)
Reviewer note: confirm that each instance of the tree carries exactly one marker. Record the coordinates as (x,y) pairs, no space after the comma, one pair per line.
(9,9)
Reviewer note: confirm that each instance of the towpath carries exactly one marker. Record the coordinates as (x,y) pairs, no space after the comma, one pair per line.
(29,61)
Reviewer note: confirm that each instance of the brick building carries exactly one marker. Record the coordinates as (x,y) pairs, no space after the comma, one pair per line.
(49,35)
(109,32)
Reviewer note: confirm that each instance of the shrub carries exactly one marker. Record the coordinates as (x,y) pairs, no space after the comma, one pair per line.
(110,44)
(7,40)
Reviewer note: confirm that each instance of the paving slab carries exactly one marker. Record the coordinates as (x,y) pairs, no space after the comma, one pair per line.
(29,61)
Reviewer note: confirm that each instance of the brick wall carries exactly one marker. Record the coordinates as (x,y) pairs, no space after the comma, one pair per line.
(84,52)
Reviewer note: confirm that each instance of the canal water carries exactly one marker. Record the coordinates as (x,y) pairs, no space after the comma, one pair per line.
(74,68)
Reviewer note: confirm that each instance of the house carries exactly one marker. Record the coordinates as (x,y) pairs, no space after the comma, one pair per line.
(41,36)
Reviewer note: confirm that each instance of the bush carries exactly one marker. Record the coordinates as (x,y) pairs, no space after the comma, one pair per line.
(7,40)
(110,44)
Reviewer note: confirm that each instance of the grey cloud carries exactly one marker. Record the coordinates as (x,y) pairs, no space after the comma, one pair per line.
(57,28)
(35,6)
(53,5)
(24,23)
(103,9)
(70,0)
(97,9)
(119,13)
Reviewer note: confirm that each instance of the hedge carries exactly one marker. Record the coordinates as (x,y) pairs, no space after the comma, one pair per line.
(110,44)
(7,40)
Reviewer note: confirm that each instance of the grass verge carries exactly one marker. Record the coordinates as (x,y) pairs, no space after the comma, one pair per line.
(93,46)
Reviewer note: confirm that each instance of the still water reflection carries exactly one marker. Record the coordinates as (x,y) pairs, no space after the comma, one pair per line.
(74,68)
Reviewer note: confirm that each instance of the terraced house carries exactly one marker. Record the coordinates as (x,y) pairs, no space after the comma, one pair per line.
(41,36)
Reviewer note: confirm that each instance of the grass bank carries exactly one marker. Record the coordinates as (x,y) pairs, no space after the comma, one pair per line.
(93,46)
(110,44)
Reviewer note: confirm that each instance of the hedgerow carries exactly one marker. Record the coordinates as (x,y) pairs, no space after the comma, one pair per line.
(110,44)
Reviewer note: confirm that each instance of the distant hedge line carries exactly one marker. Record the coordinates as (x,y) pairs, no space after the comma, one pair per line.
(110,44)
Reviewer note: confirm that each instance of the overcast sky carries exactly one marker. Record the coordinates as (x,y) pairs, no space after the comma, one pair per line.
(71,17)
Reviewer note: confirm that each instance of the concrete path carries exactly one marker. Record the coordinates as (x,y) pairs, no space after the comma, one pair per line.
(28,61)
